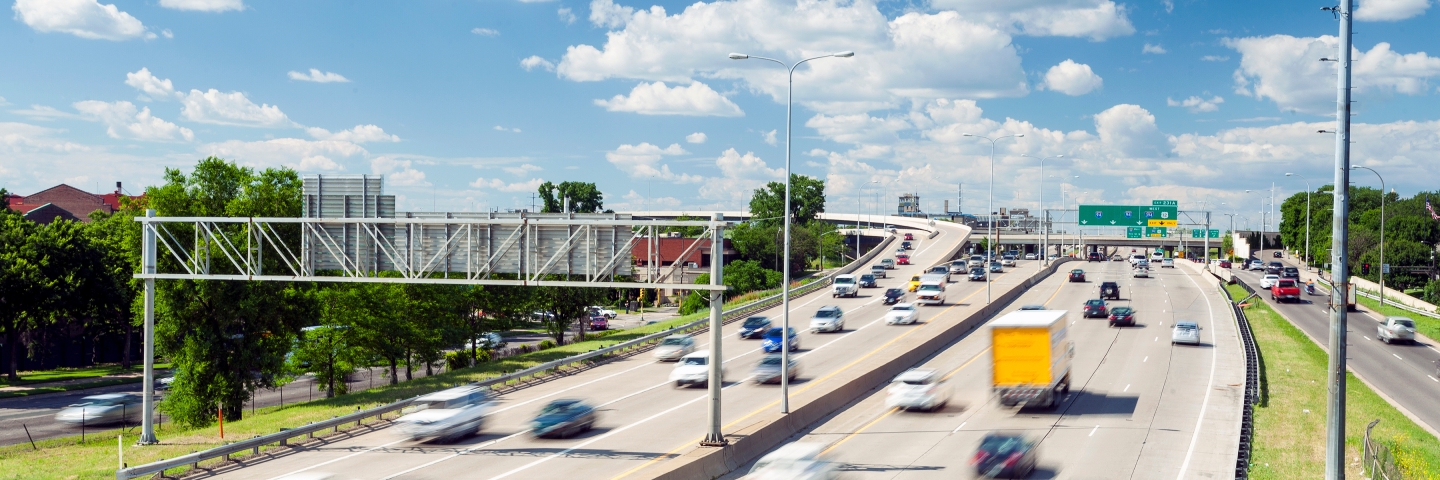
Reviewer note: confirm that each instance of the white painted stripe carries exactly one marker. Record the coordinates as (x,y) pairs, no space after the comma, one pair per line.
(1127,388)
(1092,431)
(1433,378)
(1147,358)
(962,425)
(1397,356)
(1366,337)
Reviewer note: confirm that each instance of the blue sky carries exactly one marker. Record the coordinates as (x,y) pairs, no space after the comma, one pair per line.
(468,105)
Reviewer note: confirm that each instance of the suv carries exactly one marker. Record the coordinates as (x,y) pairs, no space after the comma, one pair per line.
(1095,257)
(829,319)
(930,293)
(1274,267)
(447,414)
(844,286)
(1136,258)
(1290,272)
(1110,290)
(878,271)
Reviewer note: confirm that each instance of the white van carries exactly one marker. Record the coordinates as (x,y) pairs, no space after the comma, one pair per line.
(844,286)
(930,293)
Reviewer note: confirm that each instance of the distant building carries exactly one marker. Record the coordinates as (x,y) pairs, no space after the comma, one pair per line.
(671,248)
(67,202)
(909,205)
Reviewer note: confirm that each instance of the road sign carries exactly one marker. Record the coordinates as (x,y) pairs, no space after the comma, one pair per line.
(1196,233)
(1129,215)
(1156,232)
(1132,232)
(1385,269)
(1214,234)
(1164,203)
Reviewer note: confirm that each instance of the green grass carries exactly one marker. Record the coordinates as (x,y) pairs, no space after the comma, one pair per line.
(60,374)
(1290,420)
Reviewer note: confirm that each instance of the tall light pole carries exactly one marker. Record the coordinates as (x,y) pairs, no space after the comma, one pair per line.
(1306,257)
(1340,257)
(1042,199)
(785,277)
(1382,230)
(990,244)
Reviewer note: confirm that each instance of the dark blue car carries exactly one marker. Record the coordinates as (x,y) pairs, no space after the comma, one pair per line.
(772,340)
(754,327)
(563,418)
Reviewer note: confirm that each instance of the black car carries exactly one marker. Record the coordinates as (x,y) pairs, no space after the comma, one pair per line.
(1290,272)
(1095,308)
(1277,254)
(867,281)
(1077,275)
(905,245)
(1122,316)
(1110,291)
(755,327)
(1274,267)
(1005,456)
(894,295)
(563,418)
(977,274)
(1095,257)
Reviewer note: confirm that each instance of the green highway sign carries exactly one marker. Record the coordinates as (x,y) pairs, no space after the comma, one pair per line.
(1164,203)
(1156,232)
(1214,234)
(1197,233)
(1132,232)
(1129,215)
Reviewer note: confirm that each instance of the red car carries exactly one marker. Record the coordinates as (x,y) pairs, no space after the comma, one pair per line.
(909,237)
(599,322)
(1224,264)
(902,259)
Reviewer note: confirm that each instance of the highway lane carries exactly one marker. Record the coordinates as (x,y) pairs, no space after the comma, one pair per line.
(1404,373)
(643,417)
(1138,408)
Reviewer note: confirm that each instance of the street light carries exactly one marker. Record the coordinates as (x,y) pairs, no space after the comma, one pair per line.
(785,277)
(1043,243)
(1306,257)
(990,245)
(1382,229)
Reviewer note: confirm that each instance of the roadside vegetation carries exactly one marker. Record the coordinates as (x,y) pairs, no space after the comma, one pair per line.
(1290,419)
(1426,325)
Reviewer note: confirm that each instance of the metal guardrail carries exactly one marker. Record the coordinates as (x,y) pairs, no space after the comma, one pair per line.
(1375,297)
(281,438)
(1252,383)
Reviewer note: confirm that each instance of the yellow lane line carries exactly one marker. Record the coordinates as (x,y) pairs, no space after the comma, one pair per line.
(807,386)
(857,432)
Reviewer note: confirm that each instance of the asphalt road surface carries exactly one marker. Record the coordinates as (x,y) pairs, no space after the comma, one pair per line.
(1404,373)
(1138,406)
(644,419)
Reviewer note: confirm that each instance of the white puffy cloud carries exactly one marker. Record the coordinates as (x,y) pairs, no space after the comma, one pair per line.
(204,5)
(1286,70)
(697,99)
(1155,49)
(1072,78)
(317,162)
(1197,104)
(770,137)
(697,137)
(643,161)
(533,62)
(1093,19)
(739,176)
(19,138)
(857,128)
(359,134)
(485,32)
(153,88)
(912,55)
(398,172)
(123,121)
(82,18)
(291,152)
(317,76)
(500,185)
(1130,131)
(232,108)
(566,15)
(1389,10)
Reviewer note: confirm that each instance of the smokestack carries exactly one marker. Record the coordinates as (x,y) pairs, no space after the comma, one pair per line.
(117,188)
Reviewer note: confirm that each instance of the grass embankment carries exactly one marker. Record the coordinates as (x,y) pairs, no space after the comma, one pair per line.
(1290,419)
(69,458)
(35,381)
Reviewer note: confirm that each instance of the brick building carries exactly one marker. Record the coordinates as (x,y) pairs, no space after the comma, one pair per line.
(64,201)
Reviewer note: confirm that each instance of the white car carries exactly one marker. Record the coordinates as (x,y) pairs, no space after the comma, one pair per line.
(1141,272)
(795,461)
(674,347)
(1185,332)
(447,414)
(1269,280)
(1136,258)
(918,388)
(844,286)
(1029,256)
(694,369)
(1167,263)
(902,313)
(602,311)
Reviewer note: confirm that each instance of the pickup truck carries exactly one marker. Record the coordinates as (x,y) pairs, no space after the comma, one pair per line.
(1285,289)
(1030,358)
(1394,329)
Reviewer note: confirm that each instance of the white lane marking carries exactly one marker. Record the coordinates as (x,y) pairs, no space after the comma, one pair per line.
(1147,358)
(368,450)
(1156,339)
(962,425)
(1205,404)
(1397,356)
(1092,431)
(1433,378)
(1366,337)
(1127,388)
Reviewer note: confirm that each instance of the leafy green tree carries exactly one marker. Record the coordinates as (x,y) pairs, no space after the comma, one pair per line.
(757,242)
(325,352)
(807,201)
(567,306)
(584,197)
(117,300)
(747,276)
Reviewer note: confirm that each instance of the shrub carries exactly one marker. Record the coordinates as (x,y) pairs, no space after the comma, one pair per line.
(546,345)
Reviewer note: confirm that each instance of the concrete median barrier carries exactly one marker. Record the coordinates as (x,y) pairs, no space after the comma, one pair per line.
(767,431)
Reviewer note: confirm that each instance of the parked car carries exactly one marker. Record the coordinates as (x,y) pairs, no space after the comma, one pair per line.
(563,418)
(1269,280)
(941,270)
(888,263)
(902,259)
(599,322)
(104,409)
(844,286)
(1122,316)
(977,274)
(894,295)
(1109,290)
(1185,332)
(867,281)
(918,389)
(878,270)
(1394,329)
(673,347)
(828,319)
(694,369)
(772,344)
(447,415)
(1077,275)
(1094,308)
(1007,455)
(902,313)
(768,369)
(755,327)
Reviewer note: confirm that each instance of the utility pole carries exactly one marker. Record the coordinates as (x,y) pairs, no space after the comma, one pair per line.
(1339,255)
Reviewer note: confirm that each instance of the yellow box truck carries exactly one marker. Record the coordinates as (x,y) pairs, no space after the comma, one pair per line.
(1030,358)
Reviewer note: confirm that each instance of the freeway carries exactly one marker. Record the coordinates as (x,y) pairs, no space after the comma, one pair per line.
(644,419)
(1403,373)
(1139,407)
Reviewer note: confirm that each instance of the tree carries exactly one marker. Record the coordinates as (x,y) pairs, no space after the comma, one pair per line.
(757,242)
(324,351)
(584,197)
(747,276)
(807,201)
(118,299)
(566,306)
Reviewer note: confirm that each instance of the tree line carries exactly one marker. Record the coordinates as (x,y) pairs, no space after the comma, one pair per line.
(1411,234)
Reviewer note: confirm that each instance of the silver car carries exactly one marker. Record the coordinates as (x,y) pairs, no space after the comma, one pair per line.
(103,409)
(673,347)
(1185,332)
(447,414)
(768,370)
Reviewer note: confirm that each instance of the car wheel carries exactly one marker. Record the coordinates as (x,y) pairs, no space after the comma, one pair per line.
(678,384)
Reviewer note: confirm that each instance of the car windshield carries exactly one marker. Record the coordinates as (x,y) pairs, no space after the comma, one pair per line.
(1095,303)
(770,360)
(1002,446)
(692,361)
(1287,283)
(1078,271)
(673,341)
(903,308)
(915,278)
(753,322)
(560,408)
(867,278)
(827,313)
(774,332)
(977,271)
(1122,311)
(844,280)
(1186,326)
(939,269)
(1404,322)
(894,292)
(929,288)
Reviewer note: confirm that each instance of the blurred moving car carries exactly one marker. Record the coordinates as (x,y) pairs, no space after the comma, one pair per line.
(914,283)
(941,271)
(958,266)
(598,310)
(447,415)
(694,369)
(563,418)
(771,344)
(996,267)
(878,270)
(489,341)
(977,274)
(1077,275)
(599,322)
(755,327)
(919,389)
(1029,256)
(768,370)
(1167,263)
(1269,281)
(894,296)
(828,318)
(867,281)
(930,293)
(1224,264)
(103,409)
(1141,272)
(1185,332)
(673,347)
(844,286)
(1122,316)
(1094,308)
(795,461)
(1277,254)
(903,313)
(1396,329)
(1005,455)
(888,263)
